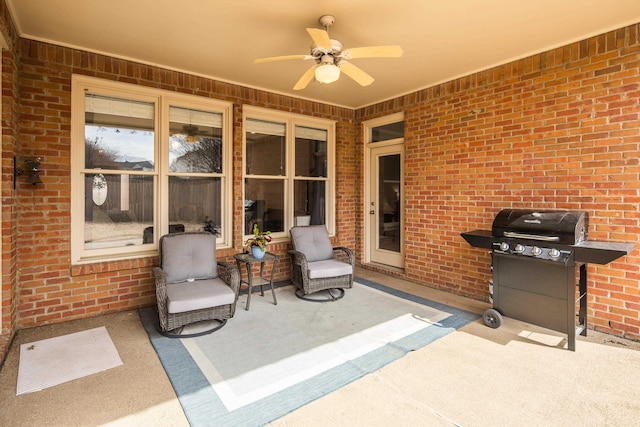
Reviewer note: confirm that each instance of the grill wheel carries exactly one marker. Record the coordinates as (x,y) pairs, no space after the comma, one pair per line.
(492,318)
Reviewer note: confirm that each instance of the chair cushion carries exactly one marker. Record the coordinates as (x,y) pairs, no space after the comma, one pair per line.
(199,294)
(188,256)
(328,268)
(313,241)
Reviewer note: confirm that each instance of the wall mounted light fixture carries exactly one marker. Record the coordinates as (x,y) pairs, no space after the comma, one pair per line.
(32,164)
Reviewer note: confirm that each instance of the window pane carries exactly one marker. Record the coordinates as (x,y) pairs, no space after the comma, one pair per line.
(118,134)
(195,202)
(118,209)
(311,152)
(195,142)
(389,207)
(264,204)
(265,148)
(309,201)
(387,132)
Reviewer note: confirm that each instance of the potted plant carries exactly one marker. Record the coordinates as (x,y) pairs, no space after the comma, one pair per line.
(257,244)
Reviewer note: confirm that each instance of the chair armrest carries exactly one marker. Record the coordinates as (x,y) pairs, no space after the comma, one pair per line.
(161,287)
(229,273)
(160,277)
(348,252)
(297,253)
(298,257)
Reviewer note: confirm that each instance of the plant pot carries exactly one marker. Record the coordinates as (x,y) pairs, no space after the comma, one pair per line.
(257,252)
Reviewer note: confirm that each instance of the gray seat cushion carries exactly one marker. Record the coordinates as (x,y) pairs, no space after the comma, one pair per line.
(328,268)
(313,241)
(189,256)
(199,294)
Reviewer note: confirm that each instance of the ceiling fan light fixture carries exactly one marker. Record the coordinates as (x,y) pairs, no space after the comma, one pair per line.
(327,73)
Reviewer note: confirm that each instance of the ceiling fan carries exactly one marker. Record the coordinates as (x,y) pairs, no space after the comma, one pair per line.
(331,59)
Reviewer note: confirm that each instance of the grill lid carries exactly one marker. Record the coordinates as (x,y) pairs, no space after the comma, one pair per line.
(567,227)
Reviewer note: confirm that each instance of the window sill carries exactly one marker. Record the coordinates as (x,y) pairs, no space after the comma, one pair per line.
(99,267)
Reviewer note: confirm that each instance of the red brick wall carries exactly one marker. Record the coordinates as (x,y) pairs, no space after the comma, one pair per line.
(8,292)
(51,289)
(558,130)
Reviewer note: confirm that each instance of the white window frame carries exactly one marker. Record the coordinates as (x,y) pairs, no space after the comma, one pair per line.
(291,121)
(163,100)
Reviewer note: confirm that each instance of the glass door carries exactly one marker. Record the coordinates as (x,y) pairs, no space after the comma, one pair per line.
(385,211)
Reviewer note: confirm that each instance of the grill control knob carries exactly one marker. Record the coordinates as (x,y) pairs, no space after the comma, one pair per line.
(536,251)
(504,246)
(554,253)
(519,248)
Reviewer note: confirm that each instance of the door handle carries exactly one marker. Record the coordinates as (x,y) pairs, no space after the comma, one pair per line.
(372,212)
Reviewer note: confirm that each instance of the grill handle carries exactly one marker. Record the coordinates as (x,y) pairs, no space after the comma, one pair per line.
(531,236)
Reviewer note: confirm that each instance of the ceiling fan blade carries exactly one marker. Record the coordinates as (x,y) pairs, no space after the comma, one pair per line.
(320,38)
(372,52)
(305,79)
(282,58)
(356,73)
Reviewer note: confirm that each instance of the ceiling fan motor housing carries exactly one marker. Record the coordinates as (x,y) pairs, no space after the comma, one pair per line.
(326,59)
(319,52)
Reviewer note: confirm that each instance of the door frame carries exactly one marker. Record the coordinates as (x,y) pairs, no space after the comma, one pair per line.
(369,148)
(4,46)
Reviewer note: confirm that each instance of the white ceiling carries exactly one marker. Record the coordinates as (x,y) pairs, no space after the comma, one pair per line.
(442,39)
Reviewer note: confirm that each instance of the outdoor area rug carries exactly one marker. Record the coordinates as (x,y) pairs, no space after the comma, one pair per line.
(54,361)
(272,359)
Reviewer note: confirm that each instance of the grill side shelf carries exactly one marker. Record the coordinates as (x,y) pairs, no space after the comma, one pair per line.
(479,238)
(597,252)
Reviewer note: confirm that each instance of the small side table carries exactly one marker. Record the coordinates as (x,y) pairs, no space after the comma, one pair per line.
(260,280)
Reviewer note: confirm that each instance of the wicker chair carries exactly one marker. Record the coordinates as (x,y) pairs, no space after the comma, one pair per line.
(318,266)
(191,286)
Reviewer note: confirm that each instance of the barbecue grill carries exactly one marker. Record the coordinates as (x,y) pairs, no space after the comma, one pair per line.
(537,255)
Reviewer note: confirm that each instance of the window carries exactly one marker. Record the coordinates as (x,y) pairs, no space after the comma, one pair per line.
(288,172)
(145,163)
(387,131)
